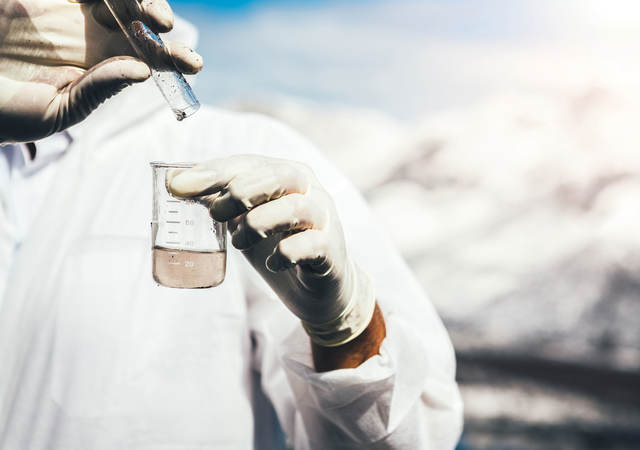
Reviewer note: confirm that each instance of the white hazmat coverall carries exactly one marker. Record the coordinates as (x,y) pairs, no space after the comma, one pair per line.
(94,355)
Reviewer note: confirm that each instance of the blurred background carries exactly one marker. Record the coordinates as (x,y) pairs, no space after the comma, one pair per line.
(507,134)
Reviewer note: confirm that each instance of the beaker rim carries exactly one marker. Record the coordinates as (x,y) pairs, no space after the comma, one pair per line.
(175,165)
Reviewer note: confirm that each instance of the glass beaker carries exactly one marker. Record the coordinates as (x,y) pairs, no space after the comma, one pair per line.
(189,247)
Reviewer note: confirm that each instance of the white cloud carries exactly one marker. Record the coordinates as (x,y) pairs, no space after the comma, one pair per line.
(412,57)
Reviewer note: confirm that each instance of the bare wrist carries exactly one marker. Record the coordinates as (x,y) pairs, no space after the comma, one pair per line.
(354,352)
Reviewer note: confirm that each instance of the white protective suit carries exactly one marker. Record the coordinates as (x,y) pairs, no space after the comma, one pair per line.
(95,356)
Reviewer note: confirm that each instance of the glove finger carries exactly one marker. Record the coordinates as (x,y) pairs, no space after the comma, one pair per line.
(126,10)
(310,247)
(234,223)
(102,15)
(154,51)
(294,212)
(74,103)
(206,200)
(210,177)
(259,186)
(185,59)
(164,56)
(156,14)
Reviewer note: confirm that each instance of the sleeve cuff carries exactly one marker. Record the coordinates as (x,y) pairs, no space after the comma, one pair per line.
(365,403)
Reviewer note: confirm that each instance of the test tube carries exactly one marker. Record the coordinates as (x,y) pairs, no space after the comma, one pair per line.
(148,45)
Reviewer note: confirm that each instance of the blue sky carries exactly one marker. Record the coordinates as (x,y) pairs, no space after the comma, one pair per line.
(244,5)
(407,57)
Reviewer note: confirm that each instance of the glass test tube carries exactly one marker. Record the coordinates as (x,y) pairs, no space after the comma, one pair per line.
(172,84)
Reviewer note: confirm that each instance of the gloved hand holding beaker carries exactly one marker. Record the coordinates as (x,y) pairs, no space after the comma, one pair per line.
(60,59)
(287,226)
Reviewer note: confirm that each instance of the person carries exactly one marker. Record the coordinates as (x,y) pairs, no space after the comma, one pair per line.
(318,338)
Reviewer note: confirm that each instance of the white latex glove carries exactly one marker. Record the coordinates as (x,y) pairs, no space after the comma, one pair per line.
(286,225)
(59,59)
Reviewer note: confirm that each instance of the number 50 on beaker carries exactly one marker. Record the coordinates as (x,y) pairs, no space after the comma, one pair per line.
(189,247)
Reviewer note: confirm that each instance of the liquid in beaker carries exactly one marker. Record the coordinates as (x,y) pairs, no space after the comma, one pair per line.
(188,269)
(189,247)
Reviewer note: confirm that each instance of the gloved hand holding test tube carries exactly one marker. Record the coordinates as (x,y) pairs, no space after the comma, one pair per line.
(150,48)
(61,59)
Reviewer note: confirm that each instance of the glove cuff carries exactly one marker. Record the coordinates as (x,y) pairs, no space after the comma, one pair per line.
(354,319)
